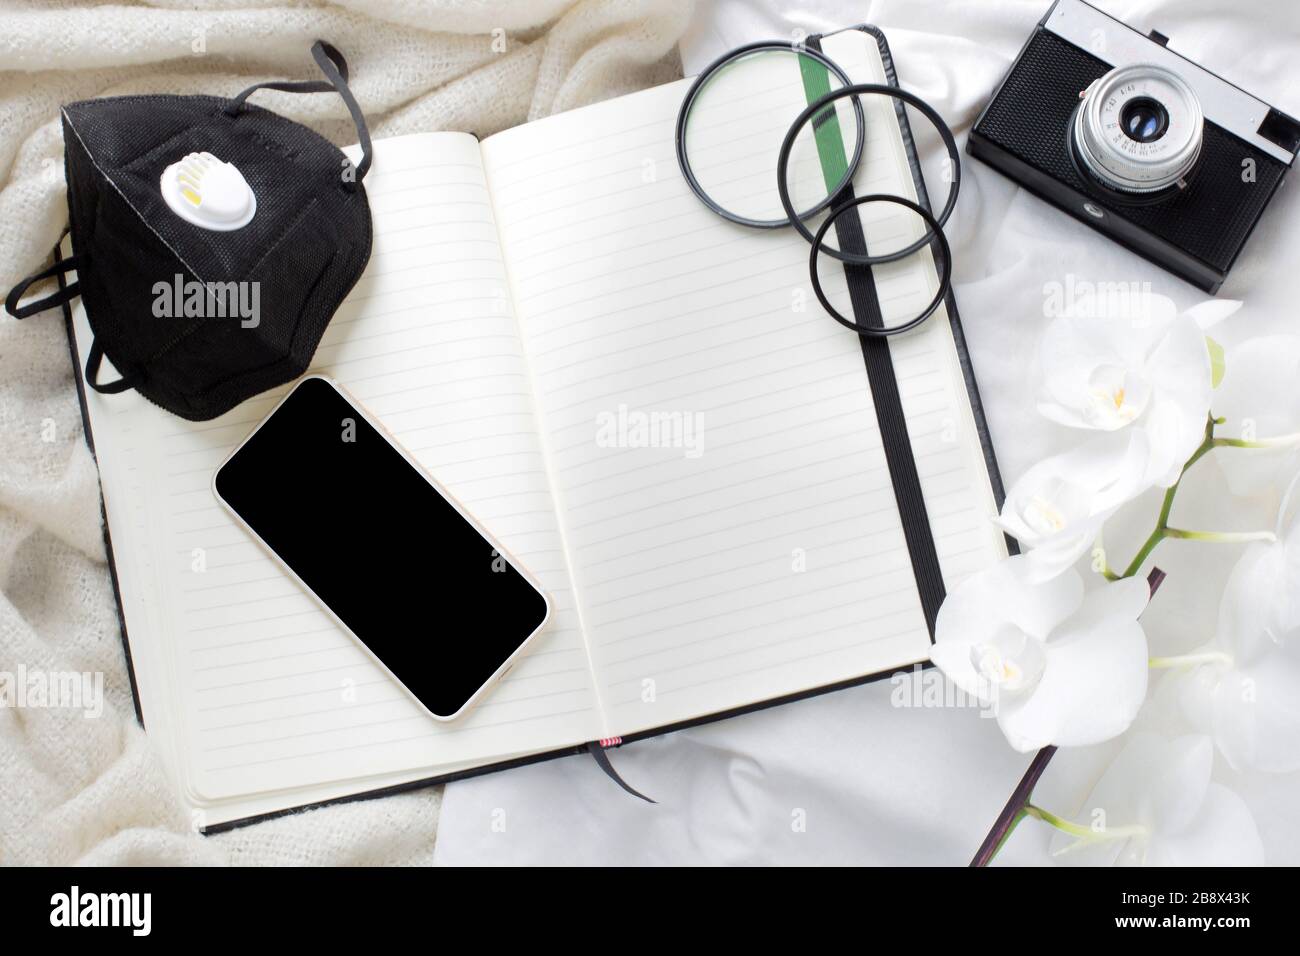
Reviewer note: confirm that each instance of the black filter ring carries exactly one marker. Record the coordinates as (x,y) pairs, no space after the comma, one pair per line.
(684,163)
(926,110)
(935,231)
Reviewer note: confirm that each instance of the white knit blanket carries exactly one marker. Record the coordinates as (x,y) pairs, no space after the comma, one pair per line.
(78,790)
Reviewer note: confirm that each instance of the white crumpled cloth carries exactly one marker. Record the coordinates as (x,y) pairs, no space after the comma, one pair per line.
(849,778)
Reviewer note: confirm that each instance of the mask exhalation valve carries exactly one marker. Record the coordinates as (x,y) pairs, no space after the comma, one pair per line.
(203,190)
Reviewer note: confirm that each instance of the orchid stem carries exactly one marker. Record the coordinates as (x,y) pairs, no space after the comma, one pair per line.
(1162,529)
(1018,806)
(1221,537)
(1278,441)
(1051,819)
(1014,811)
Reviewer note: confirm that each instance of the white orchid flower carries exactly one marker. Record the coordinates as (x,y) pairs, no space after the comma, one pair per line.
(1259,403)
(1057,508)
(1056,665)
(1244,687)
(1147,371)
(1157,806)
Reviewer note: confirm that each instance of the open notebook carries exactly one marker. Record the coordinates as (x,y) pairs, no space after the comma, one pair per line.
(525,296)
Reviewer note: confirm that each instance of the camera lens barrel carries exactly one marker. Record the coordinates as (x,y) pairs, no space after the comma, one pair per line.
(1138,128)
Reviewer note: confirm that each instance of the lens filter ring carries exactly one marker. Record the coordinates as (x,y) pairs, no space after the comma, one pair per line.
(936,228)
(934,231)
(691,101)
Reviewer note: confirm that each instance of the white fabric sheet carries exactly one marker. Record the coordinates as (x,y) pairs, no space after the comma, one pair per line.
(849,778)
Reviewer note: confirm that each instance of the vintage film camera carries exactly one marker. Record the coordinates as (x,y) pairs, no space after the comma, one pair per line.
(1140,143)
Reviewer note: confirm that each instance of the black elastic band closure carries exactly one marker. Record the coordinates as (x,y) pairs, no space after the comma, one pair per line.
(893,425)
(65,293)
(335,68)
(890,418)
(597,751)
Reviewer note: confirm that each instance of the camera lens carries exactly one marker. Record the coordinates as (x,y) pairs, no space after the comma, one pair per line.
(1138,129)
(1144,120)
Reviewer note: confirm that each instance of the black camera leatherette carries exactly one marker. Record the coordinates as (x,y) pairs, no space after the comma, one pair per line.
(1210,219)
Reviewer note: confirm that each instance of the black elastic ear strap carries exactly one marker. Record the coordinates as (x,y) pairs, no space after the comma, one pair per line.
(93,359)
(335,67)
(64,294)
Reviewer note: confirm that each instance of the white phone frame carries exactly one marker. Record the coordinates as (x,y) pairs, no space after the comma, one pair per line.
(465,513)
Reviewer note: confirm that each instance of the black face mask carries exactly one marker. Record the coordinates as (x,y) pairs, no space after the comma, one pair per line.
(213,240)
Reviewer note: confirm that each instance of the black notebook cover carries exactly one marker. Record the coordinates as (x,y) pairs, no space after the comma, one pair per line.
(981,425)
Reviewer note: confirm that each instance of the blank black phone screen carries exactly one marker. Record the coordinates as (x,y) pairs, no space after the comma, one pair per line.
(380,546)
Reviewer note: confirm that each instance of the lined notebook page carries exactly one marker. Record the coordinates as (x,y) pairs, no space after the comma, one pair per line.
(271,695)
(749,545)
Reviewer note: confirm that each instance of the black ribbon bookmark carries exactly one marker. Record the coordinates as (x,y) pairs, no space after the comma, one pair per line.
(597,750)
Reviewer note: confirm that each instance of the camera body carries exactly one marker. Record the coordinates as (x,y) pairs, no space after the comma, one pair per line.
(1138,142)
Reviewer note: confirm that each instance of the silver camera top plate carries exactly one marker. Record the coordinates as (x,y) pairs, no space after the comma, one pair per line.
(1227,106)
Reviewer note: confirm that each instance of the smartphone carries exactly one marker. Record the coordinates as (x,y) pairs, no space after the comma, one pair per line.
(393,558)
